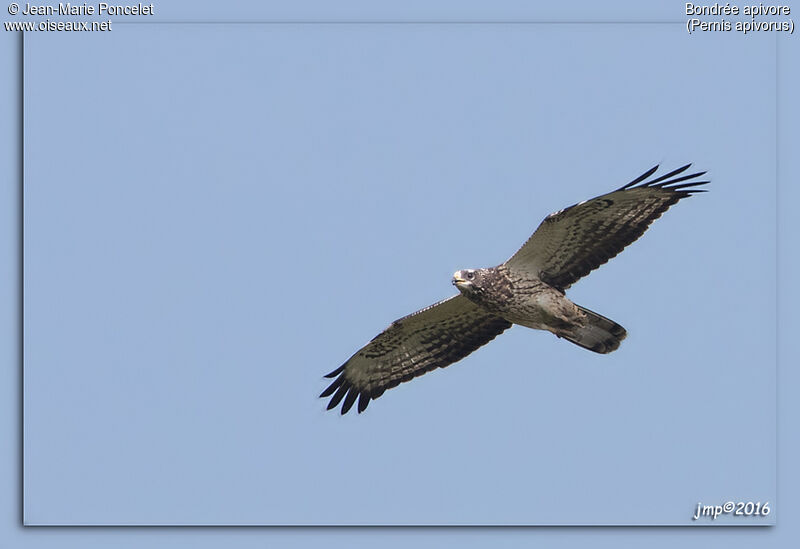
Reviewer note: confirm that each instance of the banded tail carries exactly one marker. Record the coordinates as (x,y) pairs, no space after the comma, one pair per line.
(598,333)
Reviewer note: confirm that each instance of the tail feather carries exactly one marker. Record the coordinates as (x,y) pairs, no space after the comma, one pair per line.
(598,333)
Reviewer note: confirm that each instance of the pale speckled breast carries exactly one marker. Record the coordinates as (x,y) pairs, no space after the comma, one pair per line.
(534,304)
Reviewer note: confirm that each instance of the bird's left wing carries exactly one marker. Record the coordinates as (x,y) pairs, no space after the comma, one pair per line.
(571,243)
(434,337)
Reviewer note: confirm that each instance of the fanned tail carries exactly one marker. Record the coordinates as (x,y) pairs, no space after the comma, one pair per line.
(598,333)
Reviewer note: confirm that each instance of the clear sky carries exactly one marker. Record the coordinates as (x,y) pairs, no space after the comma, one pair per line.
(218,215)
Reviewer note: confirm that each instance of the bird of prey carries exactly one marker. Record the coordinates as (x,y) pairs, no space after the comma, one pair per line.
(528,289)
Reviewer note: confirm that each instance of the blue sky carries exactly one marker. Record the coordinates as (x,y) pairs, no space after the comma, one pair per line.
(246,205)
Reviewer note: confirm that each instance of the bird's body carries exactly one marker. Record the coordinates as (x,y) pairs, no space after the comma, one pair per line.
(521,298)
(529,289)
(517,296)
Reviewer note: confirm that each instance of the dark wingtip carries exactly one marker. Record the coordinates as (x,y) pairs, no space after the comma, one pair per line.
(641,178)
(669,184)
(692,184)
(352,394)
(343,390)
(337,398)
(332,387)
(668,181)
(336,372)
(363,402)
(668,175)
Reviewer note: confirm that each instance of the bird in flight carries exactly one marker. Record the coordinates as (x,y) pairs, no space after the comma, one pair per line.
(528,289)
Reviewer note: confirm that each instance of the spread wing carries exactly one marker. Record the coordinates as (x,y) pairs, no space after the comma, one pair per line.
(573,242)
(434,337)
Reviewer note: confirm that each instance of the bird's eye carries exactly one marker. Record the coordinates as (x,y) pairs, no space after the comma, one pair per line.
(470,275)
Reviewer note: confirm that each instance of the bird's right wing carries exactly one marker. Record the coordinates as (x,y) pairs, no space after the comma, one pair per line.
(434,337)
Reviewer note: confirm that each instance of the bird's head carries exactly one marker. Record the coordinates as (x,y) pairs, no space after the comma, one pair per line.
(468,281)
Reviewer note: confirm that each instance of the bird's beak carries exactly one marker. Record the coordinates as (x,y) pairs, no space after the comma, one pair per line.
(458,279)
